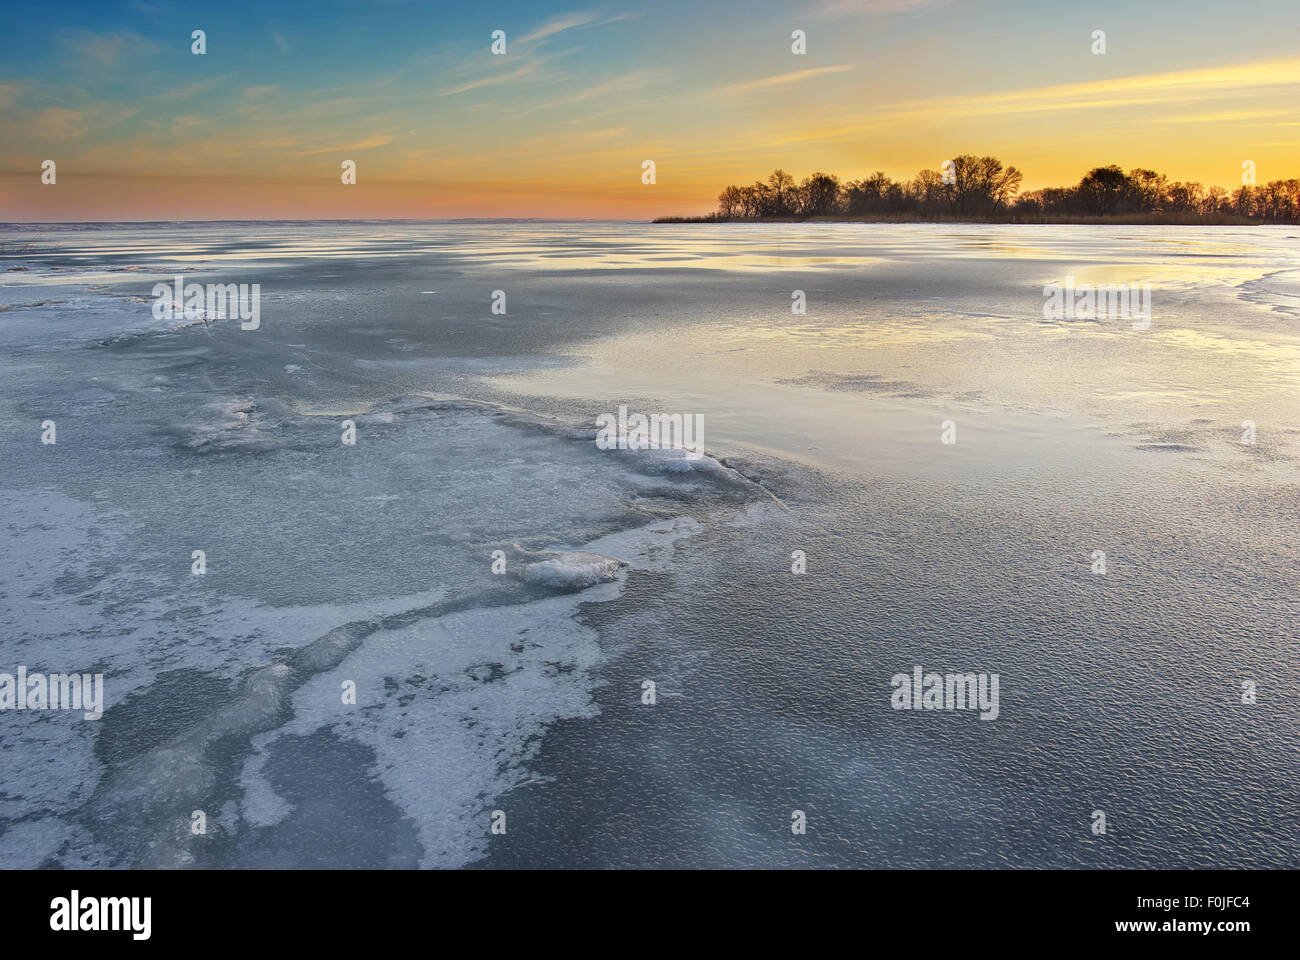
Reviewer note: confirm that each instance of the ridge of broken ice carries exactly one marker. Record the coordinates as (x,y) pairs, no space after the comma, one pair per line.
(570,569)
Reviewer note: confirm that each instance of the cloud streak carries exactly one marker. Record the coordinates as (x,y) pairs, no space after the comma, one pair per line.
(559,25)
(783,78)
(1168,89)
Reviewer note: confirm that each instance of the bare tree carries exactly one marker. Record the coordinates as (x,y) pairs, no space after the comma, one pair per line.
(820,194)
(781,185)
(730,202)
(982,184)
(983,188)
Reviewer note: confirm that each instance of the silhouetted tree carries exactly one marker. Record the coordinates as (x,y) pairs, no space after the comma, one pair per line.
(982,184)
(819,195)
(927,190)
(1105,190)
(781,186)
(984,188)
(1147,189)
(730,202)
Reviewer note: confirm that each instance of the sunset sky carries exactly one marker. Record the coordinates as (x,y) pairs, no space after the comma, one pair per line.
(257,128)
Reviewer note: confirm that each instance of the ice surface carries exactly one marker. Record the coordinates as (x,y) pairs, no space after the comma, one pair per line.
(372,564)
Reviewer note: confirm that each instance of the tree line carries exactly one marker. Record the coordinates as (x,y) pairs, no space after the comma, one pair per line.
(982,188)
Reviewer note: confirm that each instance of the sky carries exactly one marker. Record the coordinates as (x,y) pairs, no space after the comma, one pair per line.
(258,127)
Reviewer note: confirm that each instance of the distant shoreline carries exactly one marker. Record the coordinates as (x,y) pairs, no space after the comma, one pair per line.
(1136,220)
(971,189)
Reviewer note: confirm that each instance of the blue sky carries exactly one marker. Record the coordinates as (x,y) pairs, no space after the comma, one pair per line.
(561,124)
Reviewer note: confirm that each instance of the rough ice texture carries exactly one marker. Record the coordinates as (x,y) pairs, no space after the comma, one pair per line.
(573,569)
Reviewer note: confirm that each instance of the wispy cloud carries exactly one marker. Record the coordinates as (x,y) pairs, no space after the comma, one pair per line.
(830,9)
(57,123)
(186,91)
(1166,90)
(784,78)
(367,144)
(152,9)
(625,83)
(1171,87)
(1223,116)
(106,49)
(566,22)
(519,73)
